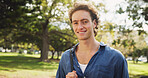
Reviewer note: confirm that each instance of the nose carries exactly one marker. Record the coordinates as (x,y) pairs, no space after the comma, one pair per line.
(80,26)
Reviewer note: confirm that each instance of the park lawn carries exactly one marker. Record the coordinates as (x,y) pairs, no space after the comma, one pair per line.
(137,70)
(14,65)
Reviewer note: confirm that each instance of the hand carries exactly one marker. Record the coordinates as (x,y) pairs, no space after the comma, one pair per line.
(72,74)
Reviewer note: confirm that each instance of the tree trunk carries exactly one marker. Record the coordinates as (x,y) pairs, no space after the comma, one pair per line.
(45,48)
(45,45)
(53,52)
(58,54)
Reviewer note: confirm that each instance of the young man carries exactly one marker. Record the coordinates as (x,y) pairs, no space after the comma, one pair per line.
(91,59)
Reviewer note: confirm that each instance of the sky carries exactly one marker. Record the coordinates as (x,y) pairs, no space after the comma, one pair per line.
(112,6)
(112,16)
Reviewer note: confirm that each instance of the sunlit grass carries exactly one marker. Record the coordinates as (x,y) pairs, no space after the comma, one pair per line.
(138,69)
(14,65)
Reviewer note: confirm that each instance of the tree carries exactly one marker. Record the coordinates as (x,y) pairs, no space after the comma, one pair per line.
(60,40)
(12,11)
(30,21)
(124,41)
(145,52)
(136,54)
(44,15)
(137,13)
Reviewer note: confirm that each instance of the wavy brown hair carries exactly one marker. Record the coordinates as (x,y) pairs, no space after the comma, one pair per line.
(87,7)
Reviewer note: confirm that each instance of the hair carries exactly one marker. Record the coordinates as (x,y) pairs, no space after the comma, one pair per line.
(87,7)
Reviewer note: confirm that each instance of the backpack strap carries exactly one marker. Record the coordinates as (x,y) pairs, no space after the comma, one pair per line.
(71,60)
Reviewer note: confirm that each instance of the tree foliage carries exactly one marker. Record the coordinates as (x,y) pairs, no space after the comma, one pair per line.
(137,11)
(31,21)
(12,12)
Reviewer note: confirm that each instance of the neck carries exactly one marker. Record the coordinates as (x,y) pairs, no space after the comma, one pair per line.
(88,45)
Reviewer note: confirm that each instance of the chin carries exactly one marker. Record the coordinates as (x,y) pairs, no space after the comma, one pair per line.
(83,38)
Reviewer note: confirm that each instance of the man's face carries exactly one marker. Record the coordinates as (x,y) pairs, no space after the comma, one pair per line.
(82,24)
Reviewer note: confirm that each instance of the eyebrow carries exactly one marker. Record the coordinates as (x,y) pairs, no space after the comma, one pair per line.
(83,19)
(80,20)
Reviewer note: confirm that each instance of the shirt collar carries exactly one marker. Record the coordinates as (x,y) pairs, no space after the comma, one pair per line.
(102,44)
(75,46)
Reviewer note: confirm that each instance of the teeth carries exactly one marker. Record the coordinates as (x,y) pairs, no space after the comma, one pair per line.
(81,32)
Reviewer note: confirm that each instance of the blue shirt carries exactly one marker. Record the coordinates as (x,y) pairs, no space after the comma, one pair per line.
(105,63)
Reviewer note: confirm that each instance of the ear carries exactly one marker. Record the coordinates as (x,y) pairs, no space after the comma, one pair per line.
(94,23)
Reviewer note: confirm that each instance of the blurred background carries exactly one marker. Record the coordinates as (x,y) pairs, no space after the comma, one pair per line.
(35,33)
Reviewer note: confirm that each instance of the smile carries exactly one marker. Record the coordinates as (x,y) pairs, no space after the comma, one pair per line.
(81,32)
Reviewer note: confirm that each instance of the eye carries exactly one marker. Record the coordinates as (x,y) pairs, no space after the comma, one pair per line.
(75,23)
(85,22)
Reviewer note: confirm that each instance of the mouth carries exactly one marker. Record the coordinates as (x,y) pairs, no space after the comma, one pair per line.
(81,32)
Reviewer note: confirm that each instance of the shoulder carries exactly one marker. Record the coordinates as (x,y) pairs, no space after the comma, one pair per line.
(65,58)
(114,53)
(65,54)
(111,53)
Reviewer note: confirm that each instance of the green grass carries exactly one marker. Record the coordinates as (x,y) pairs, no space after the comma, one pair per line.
(137,70)
(14,65)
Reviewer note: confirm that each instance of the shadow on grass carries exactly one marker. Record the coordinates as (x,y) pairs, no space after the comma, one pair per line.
(138,76)
(7,63)
(10,70)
